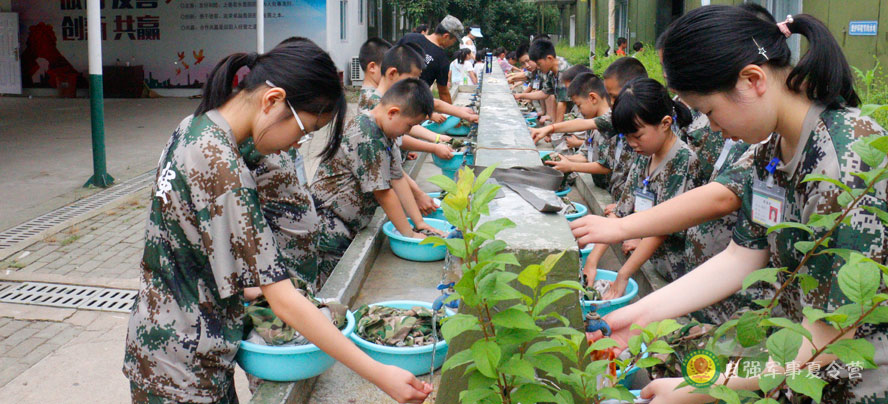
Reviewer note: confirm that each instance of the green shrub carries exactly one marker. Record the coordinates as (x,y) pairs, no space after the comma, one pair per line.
(648,58)
(872,89)
(575,55)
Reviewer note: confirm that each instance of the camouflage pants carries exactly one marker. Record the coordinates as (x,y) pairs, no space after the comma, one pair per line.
(333,239)
(142,396)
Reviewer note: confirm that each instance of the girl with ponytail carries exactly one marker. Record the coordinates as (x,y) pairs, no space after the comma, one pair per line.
(649,119)
(735,67)
(207,239)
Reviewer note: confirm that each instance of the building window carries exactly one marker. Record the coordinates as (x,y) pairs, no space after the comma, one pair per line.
(361,12)
(371,13)
(343,14)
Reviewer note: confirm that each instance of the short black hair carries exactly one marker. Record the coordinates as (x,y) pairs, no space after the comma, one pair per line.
(637,46)
(512,55)
(625,70)
(586,83)
(412,95)
(541,36)
(540,49)
(440,30)
(521,50)
(421,27)
(404,58)
(479,56)
(372,51)
(574,71)
(621,41)
(499,51)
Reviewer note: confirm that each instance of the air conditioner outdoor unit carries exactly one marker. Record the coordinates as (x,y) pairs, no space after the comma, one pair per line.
(355,72)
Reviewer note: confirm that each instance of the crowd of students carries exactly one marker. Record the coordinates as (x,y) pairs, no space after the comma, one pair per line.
(233,214)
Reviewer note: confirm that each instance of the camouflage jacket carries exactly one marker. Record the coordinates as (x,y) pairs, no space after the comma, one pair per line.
(273,330)
(668,180)
(396,327)
(205,241)
(825,147)
(552,83)
(344,185)
(616,155)
(707,144)
(368,98)
(288,208)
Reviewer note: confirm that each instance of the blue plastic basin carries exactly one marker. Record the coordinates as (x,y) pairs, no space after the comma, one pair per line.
(563,192)
(442,128)
(581,211)
(416,360)
(285,364)
(544,153)
(631,292)
(460,130)
(453,164)
(409,248)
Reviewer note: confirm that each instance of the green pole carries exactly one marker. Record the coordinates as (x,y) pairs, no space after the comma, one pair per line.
(100,177)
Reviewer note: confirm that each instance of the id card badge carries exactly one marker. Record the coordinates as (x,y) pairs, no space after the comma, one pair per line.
(620,144)
(300,169)
(590,151)
(767,203)
(536,84)
(644,199)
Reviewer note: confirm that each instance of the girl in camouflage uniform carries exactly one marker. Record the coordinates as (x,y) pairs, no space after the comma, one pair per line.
(207,239)
(735,67)
(646,114)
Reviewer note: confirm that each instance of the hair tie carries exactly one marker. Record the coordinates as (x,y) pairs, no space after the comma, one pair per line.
(784,26)
(252,58)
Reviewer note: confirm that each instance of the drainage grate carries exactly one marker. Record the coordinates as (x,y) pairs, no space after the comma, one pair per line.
(69,296)
(112,300)
(5,285)
(48,294)
(22,232)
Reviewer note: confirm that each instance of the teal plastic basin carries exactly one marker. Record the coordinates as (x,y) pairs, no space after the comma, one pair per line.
(544,153)
(631,292)
(416,360)
(453,164)
(409,248)
(582,210)
(584,254)
(460,130)
(286,364)
(442,128)
(563,192)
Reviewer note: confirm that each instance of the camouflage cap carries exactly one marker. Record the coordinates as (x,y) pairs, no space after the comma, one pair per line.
(453,25)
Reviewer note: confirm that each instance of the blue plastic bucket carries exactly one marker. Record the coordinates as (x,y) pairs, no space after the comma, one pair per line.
(442,128)
(285,364)
(582,210)
(631,292)
(416,360)
(409,248)
(563,192)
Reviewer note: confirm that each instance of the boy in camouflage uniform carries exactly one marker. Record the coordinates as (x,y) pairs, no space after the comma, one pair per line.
(370,57)
(361,176)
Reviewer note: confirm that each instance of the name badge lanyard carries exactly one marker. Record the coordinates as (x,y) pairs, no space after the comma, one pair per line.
(620,143)
(644,198)
(768,199)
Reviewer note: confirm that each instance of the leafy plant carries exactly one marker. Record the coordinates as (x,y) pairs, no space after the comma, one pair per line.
(648,58)
(759,335)
(575,55)
(873,92)
(514,359)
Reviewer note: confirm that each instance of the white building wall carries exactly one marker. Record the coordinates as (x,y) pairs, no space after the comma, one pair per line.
(342,51)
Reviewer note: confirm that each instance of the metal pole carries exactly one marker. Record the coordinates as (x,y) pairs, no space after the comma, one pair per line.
(260,26)
(100,177)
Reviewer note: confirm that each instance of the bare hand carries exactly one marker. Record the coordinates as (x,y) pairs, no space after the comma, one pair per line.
(519,96)
(663,391)
(564,165)
(573,141)
(596,229)
(609,209)
(438,118)
(412,156)
(541,133)
(630,245)
(445,139)
(401,385)
(443,151)
(426,226)
(616,290)
(425,204)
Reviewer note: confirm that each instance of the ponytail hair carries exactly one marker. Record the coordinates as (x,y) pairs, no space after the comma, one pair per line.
(645,102)
(305,72)
(705,50)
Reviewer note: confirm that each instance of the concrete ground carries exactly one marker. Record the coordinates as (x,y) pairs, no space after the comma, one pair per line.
(46,149)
